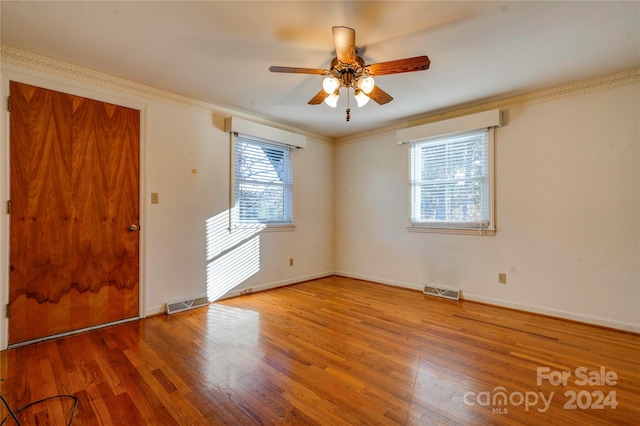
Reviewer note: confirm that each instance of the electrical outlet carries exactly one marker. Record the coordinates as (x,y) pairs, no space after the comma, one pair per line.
(246,291)
(502,278)
(291,261)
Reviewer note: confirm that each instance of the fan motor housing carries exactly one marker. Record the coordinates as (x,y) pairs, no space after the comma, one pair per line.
(347,73)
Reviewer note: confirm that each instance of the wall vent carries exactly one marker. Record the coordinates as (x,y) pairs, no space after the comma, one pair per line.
(184,305)
(442,292)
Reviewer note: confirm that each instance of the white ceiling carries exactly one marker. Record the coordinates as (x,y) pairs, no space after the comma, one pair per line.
(219,52)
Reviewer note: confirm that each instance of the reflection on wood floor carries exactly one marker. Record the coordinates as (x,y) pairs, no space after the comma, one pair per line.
(333,351)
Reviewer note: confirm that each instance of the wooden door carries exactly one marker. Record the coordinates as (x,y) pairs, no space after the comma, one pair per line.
(74,194)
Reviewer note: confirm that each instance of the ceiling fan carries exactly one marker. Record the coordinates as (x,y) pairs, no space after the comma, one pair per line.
(348,70)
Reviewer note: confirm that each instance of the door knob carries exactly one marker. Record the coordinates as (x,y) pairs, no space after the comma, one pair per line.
(132,228)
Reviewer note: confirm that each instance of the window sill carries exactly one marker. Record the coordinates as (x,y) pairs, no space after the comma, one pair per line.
(261,227)
(279,228)
(455,231)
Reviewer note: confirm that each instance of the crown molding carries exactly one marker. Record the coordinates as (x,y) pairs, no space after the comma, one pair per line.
(35,62)
(51,66)
(605,82)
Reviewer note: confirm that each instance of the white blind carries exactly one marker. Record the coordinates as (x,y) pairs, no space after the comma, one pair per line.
(263,181)
(450,181)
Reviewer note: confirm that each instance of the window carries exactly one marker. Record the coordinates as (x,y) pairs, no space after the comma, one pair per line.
(263,182)
(451,181)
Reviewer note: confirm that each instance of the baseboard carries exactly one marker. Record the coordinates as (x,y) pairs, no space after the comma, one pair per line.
(379,280)
(161,309)
(573,316)
(268,286)
(156,310)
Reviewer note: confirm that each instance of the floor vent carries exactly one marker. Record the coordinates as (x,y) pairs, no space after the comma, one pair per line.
(185,305)
(442,292)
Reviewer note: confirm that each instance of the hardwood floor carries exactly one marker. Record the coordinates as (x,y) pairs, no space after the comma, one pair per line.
(333,351)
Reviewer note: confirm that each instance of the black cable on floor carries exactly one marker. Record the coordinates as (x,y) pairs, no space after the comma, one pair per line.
(13,413)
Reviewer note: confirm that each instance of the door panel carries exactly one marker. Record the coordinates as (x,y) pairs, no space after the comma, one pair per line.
(74,192)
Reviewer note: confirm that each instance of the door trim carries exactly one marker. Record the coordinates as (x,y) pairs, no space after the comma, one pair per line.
(60,84)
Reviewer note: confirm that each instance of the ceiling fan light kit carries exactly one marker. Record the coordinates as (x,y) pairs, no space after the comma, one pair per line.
(361,98)
(349,70)
(330,84)
(366,84)
(332,99)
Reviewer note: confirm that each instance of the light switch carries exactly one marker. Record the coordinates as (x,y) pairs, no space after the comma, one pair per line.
(154,198)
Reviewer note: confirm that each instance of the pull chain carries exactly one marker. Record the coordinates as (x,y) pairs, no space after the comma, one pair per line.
(348,109)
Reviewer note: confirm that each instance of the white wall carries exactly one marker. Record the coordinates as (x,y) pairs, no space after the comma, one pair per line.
(567,199)
(175,140)
(181,140)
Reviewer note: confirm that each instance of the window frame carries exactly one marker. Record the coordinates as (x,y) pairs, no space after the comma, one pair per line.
(287,223)
(457,228)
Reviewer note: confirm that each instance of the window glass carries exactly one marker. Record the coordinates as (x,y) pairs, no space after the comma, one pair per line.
(263,182)
(450,181)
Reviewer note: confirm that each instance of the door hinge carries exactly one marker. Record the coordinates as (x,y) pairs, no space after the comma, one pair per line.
(8,310)
(8,206)
(9,103)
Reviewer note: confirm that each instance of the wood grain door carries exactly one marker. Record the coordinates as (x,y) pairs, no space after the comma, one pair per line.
(74,194)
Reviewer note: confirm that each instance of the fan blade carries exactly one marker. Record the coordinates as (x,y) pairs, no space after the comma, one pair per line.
(419,63)
(318,98)
(299,70)
(380,96)
(345,40)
